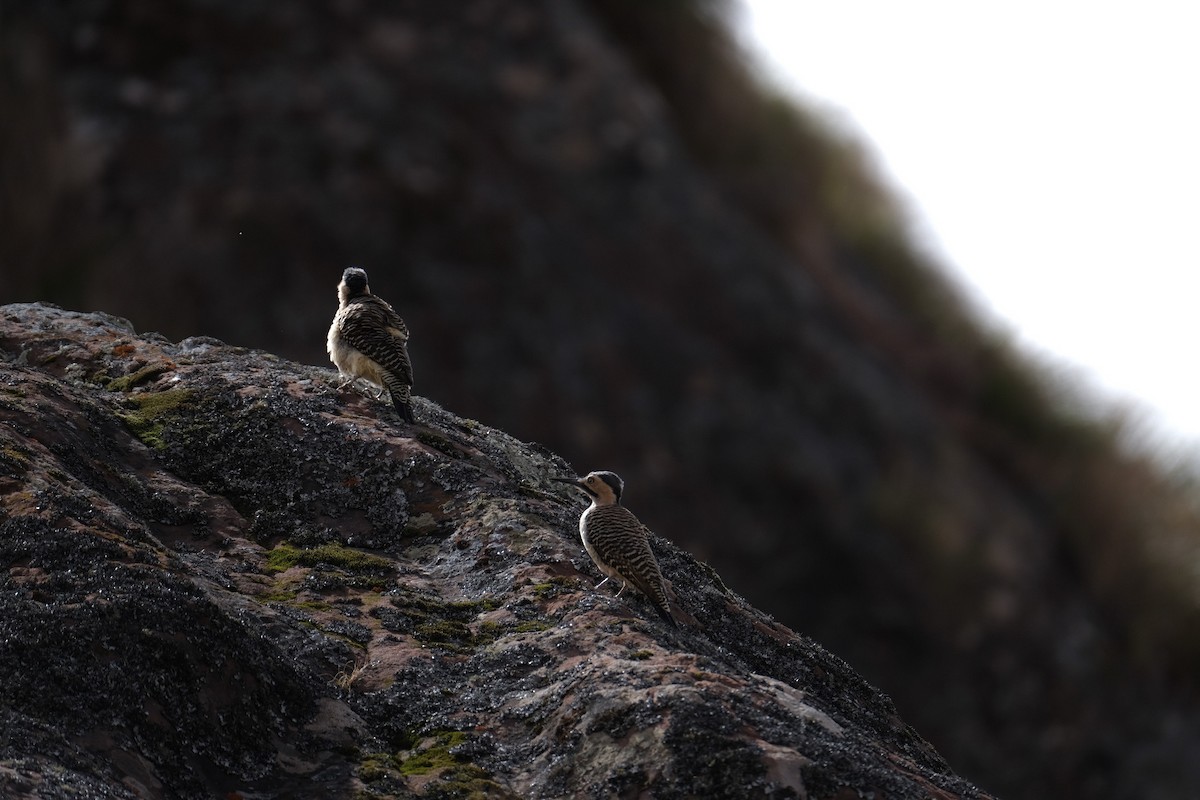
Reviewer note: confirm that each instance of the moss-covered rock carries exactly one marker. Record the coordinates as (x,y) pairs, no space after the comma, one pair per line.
(147,414)
(248,610)
(285,556)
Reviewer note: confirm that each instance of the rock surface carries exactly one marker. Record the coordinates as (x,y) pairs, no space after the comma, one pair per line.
(224,578)
(604,241)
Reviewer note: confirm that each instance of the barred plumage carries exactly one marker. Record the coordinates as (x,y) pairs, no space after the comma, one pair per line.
(618,543)
(369,340)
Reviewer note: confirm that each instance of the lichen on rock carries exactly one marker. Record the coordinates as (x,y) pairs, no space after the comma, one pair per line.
(227,578)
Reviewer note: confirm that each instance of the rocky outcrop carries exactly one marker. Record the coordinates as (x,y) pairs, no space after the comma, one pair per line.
(224,578)
(606,238)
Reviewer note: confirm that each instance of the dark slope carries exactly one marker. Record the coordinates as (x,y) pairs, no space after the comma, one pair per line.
(225,578)
(591,252)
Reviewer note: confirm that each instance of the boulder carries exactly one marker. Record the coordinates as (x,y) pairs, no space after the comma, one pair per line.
(224,577)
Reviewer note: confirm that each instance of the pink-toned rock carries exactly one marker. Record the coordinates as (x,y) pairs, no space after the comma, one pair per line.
(228,579)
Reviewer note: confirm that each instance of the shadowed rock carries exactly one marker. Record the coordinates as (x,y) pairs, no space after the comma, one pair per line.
(225,578)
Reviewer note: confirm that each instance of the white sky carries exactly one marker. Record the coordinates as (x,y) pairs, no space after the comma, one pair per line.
(1049,152)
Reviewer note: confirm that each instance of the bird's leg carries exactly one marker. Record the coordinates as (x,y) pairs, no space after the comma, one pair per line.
(380,395)
(601,583)
(623,585)
(349,380)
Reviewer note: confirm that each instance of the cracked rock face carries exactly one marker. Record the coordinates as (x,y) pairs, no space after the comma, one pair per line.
(224,578)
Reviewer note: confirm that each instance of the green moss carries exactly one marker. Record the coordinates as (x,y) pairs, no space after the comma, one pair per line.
(445,632)
(488,631)
(313,605)
(148,414)
(549,588)
(640,655)
(453,634)
(445,625)
(456,777)
(472,425)
(278,596)
(473,607)
(282,558)
(460,609)
(376,767)
(127,382)
(13,461)
(285,556)
(437,756)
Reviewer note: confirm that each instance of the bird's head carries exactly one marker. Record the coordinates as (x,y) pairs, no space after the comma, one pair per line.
(354,284)
(603,487)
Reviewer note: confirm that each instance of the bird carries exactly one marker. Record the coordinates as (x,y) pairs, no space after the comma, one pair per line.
(617,542)
(369,340)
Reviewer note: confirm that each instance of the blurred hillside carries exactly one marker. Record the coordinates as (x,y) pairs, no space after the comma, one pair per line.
(607,238)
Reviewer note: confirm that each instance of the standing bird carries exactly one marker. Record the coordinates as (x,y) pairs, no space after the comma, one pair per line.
(619,544)
(369,340)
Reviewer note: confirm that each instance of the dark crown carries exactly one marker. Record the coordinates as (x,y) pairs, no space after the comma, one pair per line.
(355,280)
(614,482)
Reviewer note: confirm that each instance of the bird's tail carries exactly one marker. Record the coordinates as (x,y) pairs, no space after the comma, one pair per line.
(402,400)
(404,407)
(665,607)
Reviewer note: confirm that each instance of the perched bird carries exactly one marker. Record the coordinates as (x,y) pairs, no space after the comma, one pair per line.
(369,340)
(619,544)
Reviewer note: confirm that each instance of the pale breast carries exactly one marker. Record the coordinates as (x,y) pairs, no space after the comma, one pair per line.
(600,563)
(347,359)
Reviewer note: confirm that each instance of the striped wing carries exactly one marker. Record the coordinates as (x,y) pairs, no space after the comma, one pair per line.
(373,328)
(624,544)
